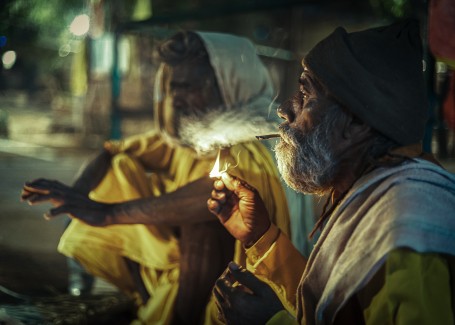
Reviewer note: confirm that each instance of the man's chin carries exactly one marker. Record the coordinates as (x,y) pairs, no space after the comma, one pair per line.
(300,186)
(298,181)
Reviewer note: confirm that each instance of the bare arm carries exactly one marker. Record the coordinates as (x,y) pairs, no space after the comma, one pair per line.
(186,205)
(92,173)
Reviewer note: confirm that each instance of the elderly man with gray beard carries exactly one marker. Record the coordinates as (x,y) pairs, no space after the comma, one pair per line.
(139,210)
(386,249)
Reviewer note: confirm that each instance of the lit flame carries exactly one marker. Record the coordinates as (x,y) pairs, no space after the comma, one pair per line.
(216,172)
(216,168)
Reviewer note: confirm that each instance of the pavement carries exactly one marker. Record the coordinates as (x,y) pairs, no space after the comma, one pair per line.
(33,275)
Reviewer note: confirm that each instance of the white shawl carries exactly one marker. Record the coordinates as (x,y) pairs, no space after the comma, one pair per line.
(411,205)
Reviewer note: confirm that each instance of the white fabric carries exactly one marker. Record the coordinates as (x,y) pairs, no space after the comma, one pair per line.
(412,205)
(247,93)
(236,56)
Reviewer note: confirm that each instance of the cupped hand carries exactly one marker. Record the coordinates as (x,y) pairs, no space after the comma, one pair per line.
(66,200)
(242,298)
(239,208)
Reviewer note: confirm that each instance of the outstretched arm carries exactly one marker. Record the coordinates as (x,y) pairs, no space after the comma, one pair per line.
(186,205)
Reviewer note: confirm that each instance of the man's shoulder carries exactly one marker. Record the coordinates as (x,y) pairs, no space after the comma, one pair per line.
(416,173)
(413,203)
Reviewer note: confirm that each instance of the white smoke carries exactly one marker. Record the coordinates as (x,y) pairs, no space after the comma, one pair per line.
(223,129)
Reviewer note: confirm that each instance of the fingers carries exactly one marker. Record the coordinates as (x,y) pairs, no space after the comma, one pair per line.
(52,213)
(228,181)
(218,185)
(220,299)
(44,186)
(224,292)
(214,206)
(59,210)
(41,190)
(28,188)
(247,279)
(219,196)
(25,195)
(218,199)
(221,211)
(38,198)
(35,196)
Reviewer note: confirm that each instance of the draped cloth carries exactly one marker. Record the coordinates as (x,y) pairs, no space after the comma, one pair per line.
(411,205)
(148,165)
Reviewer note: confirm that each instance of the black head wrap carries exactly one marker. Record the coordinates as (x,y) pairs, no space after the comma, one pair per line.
(377,75)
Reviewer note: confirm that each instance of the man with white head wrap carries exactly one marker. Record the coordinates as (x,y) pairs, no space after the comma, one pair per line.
(212,92)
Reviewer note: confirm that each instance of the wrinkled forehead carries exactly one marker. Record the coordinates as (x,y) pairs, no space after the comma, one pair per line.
(311,78)
(304,65)
(307,78)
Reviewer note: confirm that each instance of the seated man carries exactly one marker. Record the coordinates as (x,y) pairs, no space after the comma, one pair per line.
(139,208)
(386,252)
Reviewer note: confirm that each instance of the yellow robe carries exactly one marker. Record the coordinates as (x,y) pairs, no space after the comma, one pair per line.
(145,166)
(415,289)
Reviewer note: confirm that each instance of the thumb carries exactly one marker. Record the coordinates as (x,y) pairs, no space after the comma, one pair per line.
(56,211)
(246,278)
(229,181)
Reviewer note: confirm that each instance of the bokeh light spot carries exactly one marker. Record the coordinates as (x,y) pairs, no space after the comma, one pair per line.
(8,59)
(80,25)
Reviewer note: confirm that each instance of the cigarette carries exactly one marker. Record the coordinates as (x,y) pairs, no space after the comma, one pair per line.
(267,136)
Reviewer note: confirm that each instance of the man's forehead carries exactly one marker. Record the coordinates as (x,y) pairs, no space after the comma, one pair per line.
(310,81)
(306,72)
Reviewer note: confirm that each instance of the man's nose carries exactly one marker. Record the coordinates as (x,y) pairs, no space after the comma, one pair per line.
(285,111)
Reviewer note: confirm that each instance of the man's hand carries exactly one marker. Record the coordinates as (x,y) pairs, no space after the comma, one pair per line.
(66,200)
(239,208)
(242,298)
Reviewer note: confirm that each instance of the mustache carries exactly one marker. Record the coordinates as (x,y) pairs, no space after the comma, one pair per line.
(283,130)
(290,136)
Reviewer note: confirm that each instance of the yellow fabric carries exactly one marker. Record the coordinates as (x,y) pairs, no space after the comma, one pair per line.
(282,318)
(275,260)
(142,10)
(155,247)
(78,81)
(416,290)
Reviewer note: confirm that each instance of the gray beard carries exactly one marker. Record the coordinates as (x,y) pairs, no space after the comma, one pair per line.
(305,160)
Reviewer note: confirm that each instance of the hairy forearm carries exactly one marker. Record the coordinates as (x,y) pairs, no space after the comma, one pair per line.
(184,206)
(92,173)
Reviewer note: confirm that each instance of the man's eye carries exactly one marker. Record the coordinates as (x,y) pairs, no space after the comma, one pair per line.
(304,95)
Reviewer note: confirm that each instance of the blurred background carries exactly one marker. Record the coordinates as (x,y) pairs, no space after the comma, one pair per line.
(75,73)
